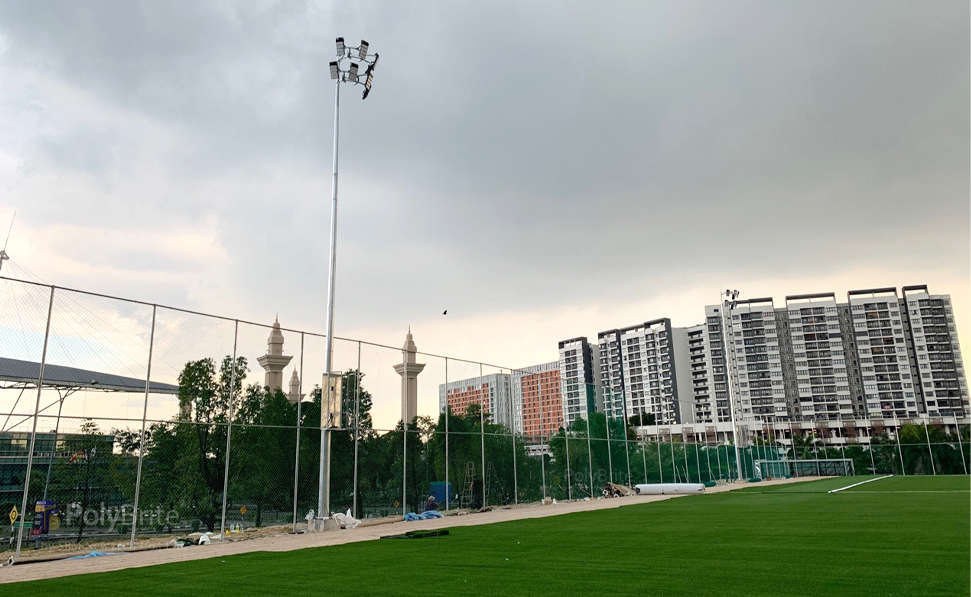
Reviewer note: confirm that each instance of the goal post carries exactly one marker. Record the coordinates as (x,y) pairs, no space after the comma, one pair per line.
(823,467)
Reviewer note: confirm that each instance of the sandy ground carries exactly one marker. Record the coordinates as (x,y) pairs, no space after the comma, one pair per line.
(287,542)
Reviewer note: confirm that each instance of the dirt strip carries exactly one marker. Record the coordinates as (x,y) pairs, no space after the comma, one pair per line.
(287,542)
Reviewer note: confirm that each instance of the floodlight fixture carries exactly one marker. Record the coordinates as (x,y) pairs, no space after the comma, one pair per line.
(341,50)
(362,50)
(352,72)
(334,70)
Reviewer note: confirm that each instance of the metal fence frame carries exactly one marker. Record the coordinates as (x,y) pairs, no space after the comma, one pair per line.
(755,452)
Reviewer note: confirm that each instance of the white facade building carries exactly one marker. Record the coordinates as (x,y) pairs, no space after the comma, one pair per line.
(822,381)
(611,383)
(938,370)
(648,372)
(881,345)
(579,365)
(493,393)
(709,376)
(757,363)
(879,355)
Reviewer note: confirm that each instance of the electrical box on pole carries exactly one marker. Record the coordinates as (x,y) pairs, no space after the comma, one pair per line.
(331,401)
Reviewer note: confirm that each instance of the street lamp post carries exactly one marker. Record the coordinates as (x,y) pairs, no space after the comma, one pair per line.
(343,70)
(728,298)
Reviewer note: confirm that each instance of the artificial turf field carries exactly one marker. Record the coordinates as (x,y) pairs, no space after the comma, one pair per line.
(896,536)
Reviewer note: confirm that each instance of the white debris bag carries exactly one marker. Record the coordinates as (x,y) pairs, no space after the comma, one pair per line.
(346,520)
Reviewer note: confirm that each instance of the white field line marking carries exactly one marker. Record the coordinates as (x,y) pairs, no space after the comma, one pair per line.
(860,483)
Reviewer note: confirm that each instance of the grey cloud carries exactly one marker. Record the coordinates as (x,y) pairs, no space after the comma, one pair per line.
(511,154)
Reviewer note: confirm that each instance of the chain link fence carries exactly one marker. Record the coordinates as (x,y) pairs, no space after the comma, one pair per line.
(128,423)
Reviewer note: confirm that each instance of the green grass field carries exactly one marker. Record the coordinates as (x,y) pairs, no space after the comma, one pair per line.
(898,536)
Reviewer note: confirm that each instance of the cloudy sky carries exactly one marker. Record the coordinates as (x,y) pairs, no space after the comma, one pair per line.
(542,170)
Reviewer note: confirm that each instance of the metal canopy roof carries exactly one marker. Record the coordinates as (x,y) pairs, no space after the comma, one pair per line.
(58,376)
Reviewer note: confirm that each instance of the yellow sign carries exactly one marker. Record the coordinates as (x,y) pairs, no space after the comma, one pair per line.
(242,510)
(13,515)
(55,522)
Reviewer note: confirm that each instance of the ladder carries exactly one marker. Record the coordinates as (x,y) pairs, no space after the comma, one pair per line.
(468,486)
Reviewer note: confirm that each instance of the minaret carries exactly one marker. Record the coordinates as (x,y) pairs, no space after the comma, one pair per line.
(294,396)
(274,361)
(408,369)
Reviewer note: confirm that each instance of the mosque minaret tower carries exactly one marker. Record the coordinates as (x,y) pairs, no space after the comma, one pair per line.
(294,395)
(274,360)
(408,369)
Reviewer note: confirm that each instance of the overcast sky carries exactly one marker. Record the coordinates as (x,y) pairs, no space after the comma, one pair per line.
(542,170)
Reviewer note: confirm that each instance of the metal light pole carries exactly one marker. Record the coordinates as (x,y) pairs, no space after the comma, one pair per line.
(343,70)
(728,303)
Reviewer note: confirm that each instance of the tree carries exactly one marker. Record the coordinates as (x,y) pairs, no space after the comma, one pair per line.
(261,459)
(89,464)
(204,400)
(640,419)
(350,384)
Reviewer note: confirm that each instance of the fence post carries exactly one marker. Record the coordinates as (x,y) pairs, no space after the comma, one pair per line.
(296,450)
(448,487)
(515,452)
(684,452)
(229,429)
(718,456)
(482,434)
(711,475)
(141,437)
(357,425)
(900,452)
(33,432)
(698,461)
(610,457)
(586,400)
(640,425)
(549,431)
(626,447)
(57,427)
(404,443)
(542,457)
(957,427)
(566,442)
(930,452)
(869,434)
(660,469)
(642,443)
(674,463)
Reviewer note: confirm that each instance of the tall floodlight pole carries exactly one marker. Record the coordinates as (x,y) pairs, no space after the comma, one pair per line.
(728,298)
(343,70)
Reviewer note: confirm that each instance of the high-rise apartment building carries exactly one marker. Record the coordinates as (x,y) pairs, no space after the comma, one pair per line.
(611,382)
(878,355)
(640,372)
(579,366)
(709,376)
(881,347)
(936,365)
(537,395)
(881,354)
(493,394)
(819,356)
(757,361)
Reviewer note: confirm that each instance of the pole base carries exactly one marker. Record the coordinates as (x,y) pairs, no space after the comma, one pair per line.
(320,525)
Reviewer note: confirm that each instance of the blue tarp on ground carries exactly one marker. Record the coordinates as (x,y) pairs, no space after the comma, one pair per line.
(426,515)
(93,554)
